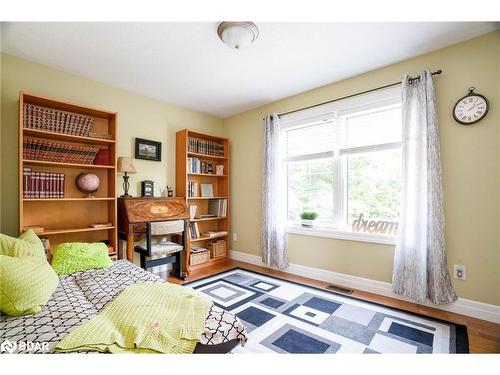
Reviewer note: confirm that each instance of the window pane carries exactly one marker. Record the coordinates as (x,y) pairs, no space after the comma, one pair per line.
(310,188)
(377,127)
(311,139)
(373,185)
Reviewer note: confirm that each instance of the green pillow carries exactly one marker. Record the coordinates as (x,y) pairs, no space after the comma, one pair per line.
(28,244)
(26,284)
(78,256)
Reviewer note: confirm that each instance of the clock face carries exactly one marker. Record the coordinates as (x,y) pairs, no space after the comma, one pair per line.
(470,109)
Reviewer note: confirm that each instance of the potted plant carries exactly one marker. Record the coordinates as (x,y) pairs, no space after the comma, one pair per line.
(307,218)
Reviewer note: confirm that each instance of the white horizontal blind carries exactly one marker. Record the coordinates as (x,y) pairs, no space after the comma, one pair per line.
(315,140)
(370,128)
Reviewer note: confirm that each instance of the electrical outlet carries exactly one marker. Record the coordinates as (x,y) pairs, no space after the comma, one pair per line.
(459,271)
(235,237)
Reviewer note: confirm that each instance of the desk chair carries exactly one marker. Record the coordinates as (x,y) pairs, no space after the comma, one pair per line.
(157,254)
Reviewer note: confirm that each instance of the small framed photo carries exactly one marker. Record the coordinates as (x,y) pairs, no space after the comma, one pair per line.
(207,190)
(219,170)
(147,150)
(147,188)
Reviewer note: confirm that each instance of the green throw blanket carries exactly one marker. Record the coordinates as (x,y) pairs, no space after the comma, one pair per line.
(144,318)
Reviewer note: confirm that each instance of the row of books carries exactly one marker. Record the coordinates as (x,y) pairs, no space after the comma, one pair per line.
(217,207)
(193,189)
(195,165)
(194,232)
(41,149)
(42,184)
(202,146)
(36,117)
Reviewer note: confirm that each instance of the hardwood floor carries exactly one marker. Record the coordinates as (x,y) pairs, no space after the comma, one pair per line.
(484,337)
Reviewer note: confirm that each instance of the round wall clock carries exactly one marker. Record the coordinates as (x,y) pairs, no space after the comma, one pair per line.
(471,108)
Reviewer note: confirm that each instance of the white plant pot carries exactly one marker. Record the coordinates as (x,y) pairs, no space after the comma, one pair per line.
(307,223)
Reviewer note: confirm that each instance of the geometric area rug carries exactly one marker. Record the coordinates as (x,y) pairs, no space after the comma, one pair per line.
(287,317)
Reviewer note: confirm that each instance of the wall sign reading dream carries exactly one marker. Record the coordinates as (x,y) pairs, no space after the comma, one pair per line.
(375,226)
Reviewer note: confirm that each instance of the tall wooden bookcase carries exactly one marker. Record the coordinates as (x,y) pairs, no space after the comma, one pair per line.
(219,182)
(67,219)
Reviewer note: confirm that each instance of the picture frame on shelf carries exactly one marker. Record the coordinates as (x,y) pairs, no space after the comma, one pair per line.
(147,188)
(207,190)
(146,149)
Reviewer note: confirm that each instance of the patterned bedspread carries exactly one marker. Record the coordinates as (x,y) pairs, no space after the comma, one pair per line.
(83,294)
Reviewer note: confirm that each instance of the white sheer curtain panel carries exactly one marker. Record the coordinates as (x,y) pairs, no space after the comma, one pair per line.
(273,233)
(420,266)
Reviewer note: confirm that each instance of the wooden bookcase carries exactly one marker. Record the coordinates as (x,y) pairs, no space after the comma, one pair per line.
(67,219)
(220,184)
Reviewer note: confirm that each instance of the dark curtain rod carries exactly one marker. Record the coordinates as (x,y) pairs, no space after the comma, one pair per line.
(359,93)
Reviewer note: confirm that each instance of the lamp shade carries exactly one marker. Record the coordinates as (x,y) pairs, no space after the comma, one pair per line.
(125,164)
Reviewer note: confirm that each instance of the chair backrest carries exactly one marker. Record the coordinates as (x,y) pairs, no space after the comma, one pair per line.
(159,228)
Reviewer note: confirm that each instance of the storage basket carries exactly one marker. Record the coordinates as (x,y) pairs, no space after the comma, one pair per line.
(198,258)
(217,249)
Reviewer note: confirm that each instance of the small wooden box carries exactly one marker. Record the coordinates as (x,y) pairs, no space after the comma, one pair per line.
(217,249)
(199,258)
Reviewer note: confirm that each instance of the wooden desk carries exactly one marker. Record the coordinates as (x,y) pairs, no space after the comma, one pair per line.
(133,213)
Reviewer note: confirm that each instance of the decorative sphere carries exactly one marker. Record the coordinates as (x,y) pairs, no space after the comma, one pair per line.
(87,183)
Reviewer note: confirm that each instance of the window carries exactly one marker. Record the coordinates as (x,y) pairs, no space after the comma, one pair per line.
(343,160)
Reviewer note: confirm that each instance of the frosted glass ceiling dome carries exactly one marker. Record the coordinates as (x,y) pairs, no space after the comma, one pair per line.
(238,35)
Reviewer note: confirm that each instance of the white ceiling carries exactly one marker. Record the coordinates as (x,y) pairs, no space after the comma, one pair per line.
(186,63)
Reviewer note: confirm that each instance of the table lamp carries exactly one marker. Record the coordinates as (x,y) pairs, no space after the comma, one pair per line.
(126,165)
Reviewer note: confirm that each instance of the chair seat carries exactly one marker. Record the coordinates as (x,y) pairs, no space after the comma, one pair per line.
(162,249)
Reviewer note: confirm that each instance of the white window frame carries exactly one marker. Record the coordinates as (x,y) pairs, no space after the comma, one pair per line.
(337,111)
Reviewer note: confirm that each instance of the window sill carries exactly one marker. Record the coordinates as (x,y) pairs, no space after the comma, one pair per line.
(341,234)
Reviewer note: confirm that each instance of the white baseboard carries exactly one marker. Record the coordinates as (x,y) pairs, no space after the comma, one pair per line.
(462,306)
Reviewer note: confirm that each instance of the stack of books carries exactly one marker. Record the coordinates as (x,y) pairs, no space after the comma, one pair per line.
(46,244)
(42,184)
(36,117)
(213,234)
(194,232)
(217,207)
(192,211)
(195,165)
(193,189)
(202,146)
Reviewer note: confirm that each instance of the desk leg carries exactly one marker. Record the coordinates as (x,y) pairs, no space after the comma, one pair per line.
(130,247)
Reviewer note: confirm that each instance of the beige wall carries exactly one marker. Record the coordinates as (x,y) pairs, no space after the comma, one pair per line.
(470,157)
(470,162)
(138,116)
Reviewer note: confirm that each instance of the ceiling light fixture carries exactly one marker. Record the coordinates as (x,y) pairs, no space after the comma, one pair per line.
(238,34)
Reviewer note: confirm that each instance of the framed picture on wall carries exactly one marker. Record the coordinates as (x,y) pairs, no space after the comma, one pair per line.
(147,150)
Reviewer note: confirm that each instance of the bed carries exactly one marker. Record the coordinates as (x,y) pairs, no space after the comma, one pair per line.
(82,295)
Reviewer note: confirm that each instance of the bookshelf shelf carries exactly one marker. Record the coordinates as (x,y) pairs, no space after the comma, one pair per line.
(204,198)
(66,165)
(50,232)
(66,137)
(206,156)
(67,220)
(199,239)
(207,174)
(188,141)
(209,219)
(67,199)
